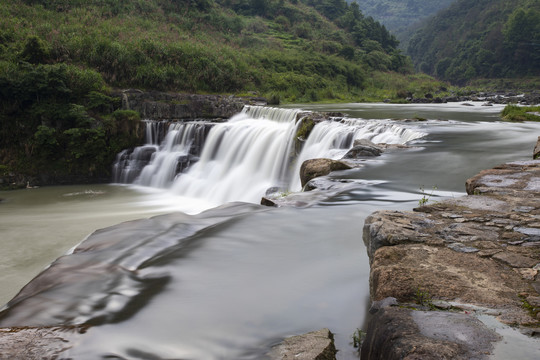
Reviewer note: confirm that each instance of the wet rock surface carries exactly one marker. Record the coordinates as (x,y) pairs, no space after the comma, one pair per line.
(481,250)
(417,334)
(36,343)
(316,345)
(313,168)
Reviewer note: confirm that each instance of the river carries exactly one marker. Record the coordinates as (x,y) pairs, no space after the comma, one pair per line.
(246,276)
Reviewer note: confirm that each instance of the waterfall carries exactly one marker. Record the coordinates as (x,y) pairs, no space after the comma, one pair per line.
(166,153)
(239,160)
(332,139)
(243,158)
(180,148)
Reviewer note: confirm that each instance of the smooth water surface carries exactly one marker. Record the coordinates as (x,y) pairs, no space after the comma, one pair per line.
(246,283)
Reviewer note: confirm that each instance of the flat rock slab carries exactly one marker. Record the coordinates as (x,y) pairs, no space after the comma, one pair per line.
(316,345)
(481,250)
(36,343)
(509,178)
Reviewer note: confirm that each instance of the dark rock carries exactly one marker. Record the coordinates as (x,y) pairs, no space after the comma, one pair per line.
(362,151)
(159,105)
(268,202)
(313,168)
(316,345)
(399,333)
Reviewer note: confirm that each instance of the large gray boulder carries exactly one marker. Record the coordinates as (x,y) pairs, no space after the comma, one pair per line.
(313,168)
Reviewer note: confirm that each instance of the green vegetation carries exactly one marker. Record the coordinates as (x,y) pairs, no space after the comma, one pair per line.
(305,128)
(358,338)
(521,113)
(480,39)
(300,50)
(423,298)
(59,60)
(425,196)
(56,120)
(533,311)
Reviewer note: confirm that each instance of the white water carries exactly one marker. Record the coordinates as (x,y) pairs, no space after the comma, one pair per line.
(332,139)
(253,152)
(242,158)
(162,168)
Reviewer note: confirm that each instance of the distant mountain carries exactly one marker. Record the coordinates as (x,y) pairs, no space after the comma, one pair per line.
(480,39)
(399,15)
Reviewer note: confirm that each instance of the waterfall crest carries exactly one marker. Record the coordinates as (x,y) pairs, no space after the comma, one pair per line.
(239,160)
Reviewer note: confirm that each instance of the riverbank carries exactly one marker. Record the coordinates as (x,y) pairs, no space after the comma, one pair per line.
(443,275)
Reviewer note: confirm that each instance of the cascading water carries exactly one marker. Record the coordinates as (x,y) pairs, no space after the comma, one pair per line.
(332,139)
(254,151)
(165,154)
(243,158)
(129,164)
(180,148)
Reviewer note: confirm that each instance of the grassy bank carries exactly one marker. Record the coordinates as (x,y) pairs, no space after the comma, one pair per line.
(521,113)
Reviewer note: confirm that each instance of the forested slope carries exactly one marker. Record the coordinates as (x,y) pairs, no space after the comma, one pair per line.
(59,59)
(397,15)
(480,39)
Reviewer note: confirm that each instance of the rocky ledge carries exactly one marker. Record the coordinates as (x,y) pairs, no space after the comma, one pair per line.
(168,106)
(439,270)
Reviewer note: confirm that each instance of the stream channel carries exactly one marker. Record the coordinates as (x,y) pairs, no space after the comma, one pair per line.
(234,280)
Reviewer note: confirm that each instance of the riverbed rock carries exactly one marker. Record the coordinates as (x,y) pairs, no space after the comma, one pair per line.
(481,251)
(316,345)
(33,343)
(400,333)
(313,168)
(362,151)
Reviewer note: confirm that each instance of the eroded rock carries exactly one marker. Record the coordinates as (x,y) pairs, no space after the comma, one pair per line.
(313,168)
(399,333)
(481,251)
(316,345)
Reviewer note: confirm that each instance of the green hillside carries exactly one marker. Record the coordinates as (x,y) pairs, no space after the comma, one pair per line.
(204,46)
(60,59)
(480,39)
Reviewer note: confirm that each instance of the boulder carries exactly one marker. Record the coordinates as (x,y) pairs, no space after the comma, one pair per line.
(536,151)
(478,254)
(316,345)
(362,151)
(313,168)
(400,333)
